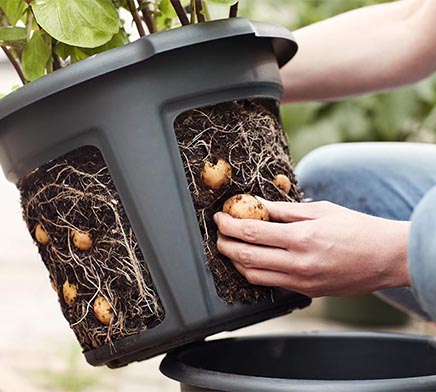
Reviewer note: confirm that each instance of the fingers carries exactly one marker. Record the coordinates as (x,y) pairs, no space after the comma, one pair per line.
(269,278)
(263,277)
(253,231)
(267,266)
(254,256)
(290,212)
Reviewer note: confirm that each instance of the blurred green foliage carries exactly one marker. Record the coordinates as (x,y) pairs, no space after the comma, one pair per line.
(404,114)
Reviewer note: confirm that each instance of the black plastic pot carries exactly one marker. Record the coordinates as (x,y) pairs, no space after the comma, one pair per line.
(335,362)
(124,102)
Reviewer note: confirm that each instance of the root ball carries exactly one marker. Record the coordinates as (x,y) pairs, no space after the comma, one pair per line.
(247,135)
(102,310)
(91,244)
(81,240)
(244,206)
(41,235)
(282,182)
(215,176)
(53,285)
(69,291)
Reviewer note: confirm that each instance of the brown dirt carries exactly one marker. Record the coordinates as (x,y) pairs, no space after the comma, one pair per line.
(248,136)
(76,192)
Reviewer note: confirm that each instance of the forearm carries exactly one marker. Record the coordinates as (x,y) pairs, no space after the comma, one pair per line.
(370,49)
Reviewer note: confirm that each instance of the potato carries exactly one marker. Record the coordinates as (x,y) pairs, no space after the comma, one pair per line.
(81,240)
(215,176)
(102,310)
(244,206)
(41,235)
(69,291)
(282,182)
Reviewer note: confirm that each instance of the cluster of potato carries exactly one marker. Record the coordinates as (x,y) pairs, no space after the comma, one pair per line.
(242,206)
(82,241)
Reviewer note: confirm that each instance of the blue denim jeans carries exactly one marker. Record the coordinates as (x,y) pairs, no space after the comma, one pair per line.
(390,180)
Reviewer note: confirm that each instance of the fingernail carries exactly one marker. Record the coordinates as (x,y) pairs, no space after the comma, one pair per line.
(216,217)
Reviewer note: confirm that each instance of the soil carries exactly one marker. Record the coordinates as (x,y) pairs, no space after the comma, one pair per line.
(76,193)
(248,135)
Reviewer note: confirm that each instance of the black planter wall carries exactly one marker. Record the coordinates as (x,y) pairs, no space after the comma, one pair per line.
(309,362)
(124,102)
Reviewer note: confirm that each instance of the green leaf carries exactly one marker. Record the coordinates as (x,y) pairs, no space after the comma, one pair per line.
(222,2)
(76,53)
(13,9)
(63,50)
(14,37)
(119,39)
(79,54)
(167,9)
(11,34)
(163,23)
(83,23)
(36,55)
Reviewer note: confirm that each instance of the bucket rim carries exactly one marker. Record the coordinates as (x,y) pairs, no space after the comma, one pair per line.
(172,367)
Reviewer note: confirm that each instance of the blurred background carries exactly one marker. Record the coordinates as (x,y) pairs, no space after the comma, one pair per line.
(38,352)
(407,114)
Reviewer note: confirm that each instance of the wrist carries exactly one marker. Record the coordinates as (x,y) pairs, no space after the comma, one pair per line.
(399,275)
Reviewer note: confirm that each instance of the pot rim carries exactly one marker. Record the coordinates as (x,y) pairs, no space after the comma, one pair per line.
(175,368)
(283,44)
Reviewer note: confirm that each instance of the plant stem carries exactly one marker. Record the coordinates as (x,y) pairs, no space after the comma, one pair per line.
(4,21)
(199,11)
(50,67)
(180,12)
(206,11)
(49,42)
(146,16)
(56,62)
(15,64)
(29,23)
(155,9)
(136,18)
(234,10)
(193,15)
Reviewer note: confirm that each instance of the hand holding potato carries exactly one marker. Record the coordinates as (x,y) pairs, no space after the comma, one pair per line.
(317,249)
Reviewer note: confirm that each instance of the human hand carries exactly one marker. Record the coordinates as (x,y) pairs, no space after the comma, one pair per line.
(317,249)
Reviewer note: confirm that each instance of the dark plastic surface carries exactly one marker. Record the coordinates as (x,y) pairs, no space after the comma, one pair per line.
(283,45)
(339,362)
(125,102)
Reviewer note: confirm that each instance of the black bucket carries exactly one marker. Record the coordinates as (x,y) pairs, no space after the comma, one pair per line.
(339,362)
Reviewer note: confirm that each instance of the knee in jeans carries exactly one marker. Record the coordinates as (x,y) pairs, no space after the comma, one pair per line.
(324,173)
(318,167)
